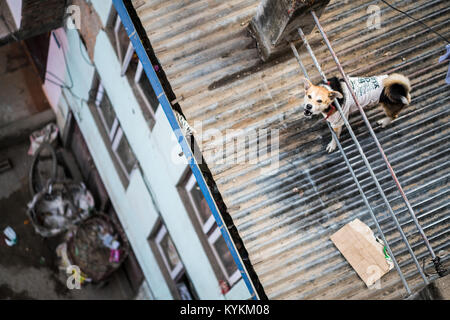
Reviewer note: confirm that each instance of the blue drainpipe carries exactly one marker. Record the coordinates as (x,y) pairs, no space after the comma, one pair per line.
(156,84)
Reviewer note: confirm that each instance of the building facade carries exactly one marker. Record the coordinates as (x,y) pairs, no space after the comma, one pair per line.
(94,79)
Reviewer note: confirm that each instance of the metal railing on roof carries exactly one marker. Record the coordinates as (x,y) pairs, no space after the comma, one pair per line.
(435,259)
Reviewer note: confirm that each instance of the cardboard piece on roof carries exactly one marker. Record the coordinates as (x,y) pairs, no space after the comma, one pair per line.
(365,254)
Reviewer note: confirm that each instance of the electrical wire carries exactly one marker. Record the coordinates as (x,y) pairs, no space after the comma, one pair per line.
(65,60)
(40,64)
(411,17)
(62,84)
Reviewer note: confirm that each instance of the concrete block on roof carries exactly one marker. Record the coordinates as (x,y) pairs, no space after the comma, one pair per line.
(276,23)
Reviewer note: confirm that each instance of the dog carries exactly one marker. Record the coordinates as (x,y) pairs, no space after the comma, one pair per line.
(392,92)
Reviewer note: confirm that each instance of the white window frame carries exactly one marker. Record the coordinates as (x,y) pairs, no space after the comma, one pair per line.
(115,134)
(115,145)
(98,100)
(179,268)
(127,59)
(137,78)
(125,64)
(207,227)
(124,57)
(232,279)
(117,26)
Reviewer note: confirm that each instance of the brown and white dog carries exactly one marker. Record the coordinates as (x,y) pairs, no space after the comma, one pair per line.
(391,92)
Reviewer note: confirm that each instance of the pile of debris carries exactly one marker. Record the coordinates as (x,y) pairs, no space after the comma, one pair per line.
(97,247)
(59,207)
(61,203)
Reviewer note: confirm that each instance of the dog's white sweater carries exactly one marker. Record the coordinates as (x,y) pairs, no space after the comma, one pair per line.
(368,91)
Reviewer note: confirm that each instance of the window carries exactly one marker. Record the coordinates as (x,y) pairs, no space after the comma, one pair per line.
(106,111)
(132,67)
(123,151)
(211,231)
(173,265)
(119,144)
(123,45)
(146,90)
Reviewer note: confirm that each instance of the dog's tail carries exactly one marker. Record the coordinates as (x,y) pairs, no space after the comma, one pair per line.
(397,88)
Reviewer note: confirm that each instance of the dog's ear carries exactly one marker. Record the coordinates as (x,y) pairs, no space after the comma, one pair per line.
(335,94)
(307,83)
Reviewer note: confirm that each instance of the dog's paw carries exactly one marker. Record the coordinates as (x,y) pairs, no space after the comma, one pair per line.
(331,146)
(384,122)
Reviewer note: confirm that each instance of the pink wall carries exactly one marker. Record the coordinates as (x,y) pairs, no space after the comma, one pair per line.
(56,66)
(15,6)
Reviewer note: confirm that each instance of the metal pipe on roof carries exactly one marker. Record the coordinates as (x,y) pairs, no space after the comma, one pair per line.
(347,162)
(436,260)
(302,66)
(366,161)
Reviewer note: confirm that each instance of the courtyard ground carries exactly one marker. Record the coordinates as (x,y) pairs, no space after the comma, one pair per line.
(28,270)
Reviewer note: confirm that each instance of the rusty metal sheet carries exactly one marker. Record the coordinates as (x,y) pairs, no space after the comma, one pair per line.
(286,218)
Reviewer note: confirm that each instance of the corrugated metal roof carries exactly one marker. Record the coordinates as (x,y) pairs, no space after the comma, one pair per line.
(285,219)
